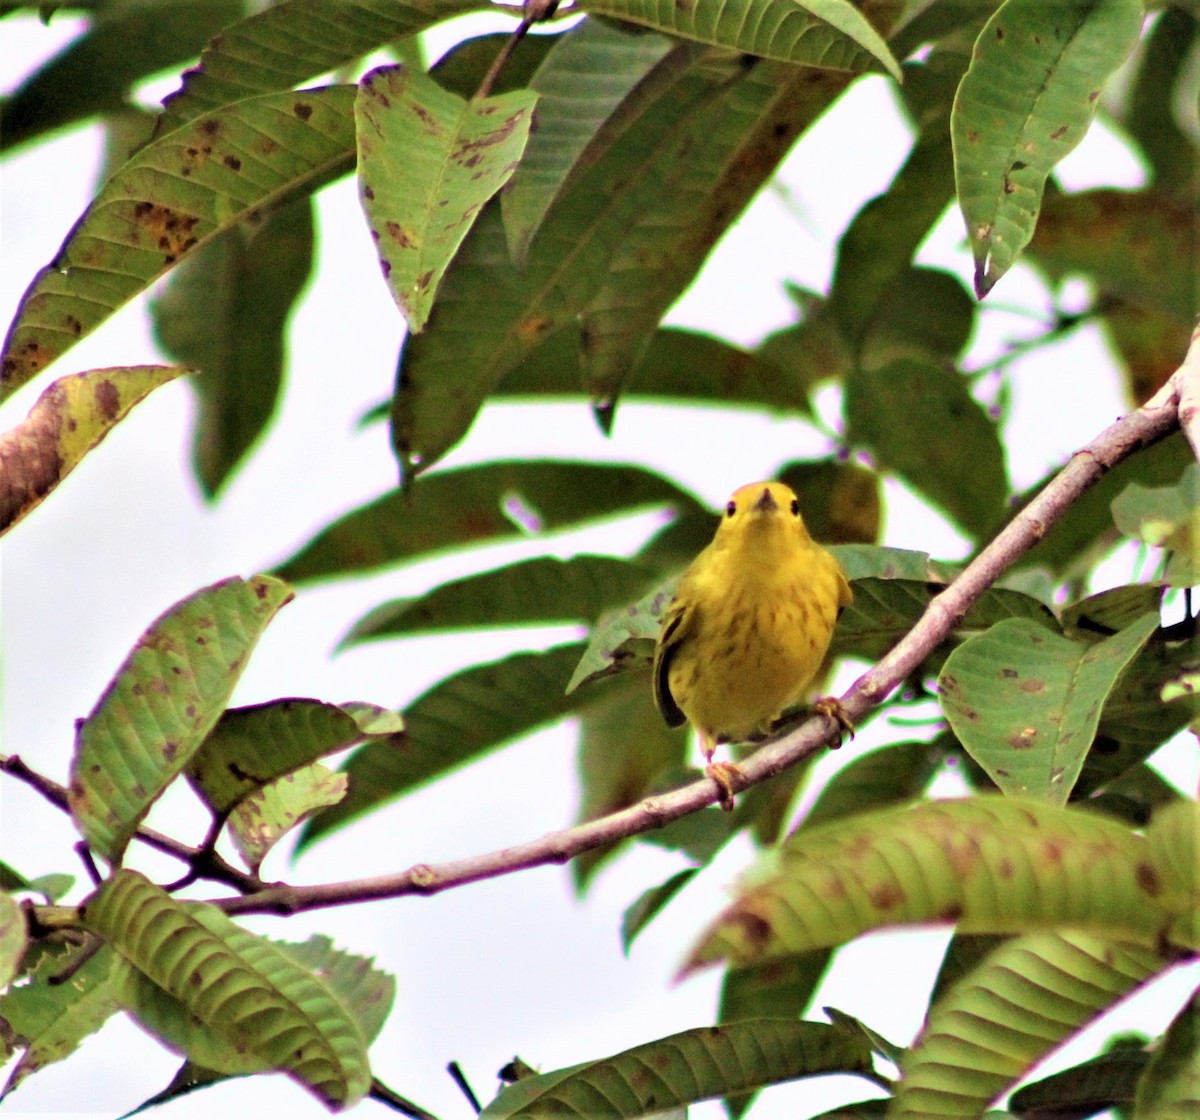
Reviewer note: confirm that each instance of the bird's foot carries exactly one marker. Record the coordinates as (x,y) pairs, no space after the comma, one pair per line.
(831,708)
(725,774)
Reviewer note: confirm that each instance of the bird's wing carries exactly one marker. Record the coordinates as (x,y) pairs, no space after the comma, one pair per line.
(674,630)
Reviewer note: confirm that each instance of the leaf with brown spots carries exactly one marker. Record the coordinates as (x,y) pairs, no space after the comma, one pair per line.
(1026,702)
(428,160)
(1025,102)
(694,1065)
(162,704)
(990,864)
(171,197)
(1028,996)
(70,418)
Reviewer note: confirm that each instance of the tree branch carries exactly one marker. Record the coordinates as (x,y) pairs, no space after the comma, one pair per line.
(1156,419)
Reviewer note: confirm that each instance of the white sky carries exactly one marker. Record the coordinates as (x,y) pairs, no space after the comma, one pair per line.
(516,966)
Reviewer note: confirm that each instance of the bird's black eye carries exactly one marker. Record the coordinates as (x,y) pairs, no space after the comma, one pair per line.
(795,508)
(731,509)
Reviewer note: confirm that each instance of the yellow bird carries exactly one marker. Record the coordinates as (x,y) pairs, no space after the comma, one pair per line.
(749,626)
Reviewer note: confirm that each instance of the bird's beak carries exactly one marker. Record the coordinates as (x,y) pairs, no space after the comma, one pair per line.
(765,503)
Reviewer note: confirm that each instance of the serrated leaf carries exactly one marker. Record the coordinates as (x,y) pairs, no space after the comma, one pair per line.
(164,700)
(428,160)
(827,34)
(252,746)
(1025,102)
(626,751)
(490,502)
(293,41)
(262,818)
(1170,1087)
(50,1019)
(169,199)
(70,418)
(1168,518)
(919,419)
(583,80)
(1026,702)
(92,74)
(690,1066)
(1027,997)
(243,989)
(225,311)
(989,864)
(643,910)
(13,937)
(366,992)
(542,590)
(457,720)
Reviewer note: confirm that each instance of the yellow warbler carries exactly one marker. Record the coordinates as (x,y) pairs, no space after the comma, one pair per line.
(749,626)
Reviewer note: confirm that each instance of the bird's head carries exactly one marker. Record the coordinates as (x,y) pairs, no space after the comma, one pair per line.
(762,508)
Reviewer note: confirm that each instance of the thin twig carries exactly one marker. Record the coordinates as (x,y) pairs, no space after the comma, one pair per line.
(535,11)
(460,1079)
(393,1100)
(1156,419)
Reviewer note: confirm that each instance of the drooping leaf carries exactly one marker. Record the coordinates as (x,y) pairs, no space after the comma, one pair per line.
(1168,518)
(161,705)
(585,76)
(93,73)
(51,1019)
(1105,1082)
(228,993)
(925,313)
(826,34)
(920,420)
(225,311)
(1028,996)
(626,750)
(887,776)
(542,590)
(1027,100)
(489,502)
(1026,703)
(643,910)
(690,1066)
(1170,1087)
(262,818)
(457,720)
(296,40)
(73,415)
(428,160)
(252,746)
(169,199)
(989,864)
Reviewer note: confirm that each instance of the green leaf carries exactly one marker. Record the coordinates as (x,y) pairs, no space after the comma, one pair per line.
(919,419)
(581,83)
(1168,518)
(13,937)
(1174,841)
(169,199)
(253,746)
(925,313)
(626,751)
(456,721)
(649,904)
(70,418)
(51,1019)
(1026,703)
(241,991)
(225,311)
(829,34)
(365,991)
(92,74)
(879,778)
(1104,1082)
(542,590)
(1027,997)
(1170,1087)
(463,67)
(427,162)
(294,41)
(261,819)
(164,700)
(486,503)
(989,864)
(624,639)
(690,1066)
(1025,102)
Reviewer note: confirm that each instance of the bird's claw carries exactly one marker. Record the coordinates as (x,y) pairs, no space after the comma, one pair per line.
(831,708)
(725,774)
